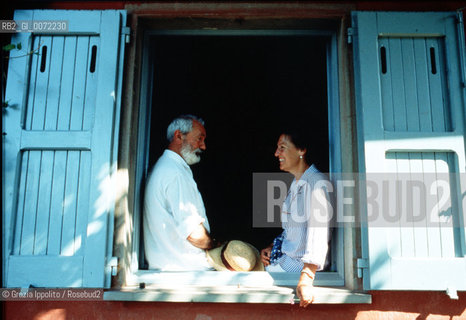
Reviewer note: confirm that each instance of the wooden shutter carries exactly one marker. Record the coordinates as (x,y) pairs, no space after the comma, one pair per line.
(409,82)
(60,149)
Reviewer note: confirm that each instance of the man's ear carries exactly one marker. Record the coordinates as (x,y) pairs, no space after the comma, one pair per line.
(178,136)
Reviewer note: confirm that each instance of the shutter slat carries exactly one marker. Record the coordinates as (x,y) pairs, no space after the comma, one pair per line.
(83,203)
(41,86)
(54,86)
(433,232)
(443,167)
(79,84)
(70,203)
(34,67)
(56,203)
(19,217)
(43,203)
(422,85)
(66,90)
(30,202)
(91,86)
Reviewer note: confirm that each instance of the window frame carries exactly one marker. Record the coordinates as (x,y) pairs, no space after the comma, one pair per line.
(136,275)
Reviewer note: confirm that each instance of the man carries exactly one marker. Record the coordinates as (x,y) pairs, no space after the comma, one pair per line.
(176,229)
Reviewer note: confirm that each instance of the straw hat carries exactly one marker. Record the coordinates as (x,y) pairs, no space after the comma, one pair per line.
(235,255)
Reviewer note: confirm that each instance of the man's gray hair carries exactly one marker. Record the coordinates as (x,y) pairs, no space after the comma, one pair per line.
(184,123)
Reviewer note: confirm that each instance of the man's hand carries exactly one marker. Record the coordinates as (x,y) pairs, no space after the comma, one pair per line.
(265,255)
(200,238)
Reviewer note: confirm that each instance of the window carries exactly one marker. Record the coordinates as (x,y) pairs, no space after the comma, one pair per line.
(60,147)
(243,83)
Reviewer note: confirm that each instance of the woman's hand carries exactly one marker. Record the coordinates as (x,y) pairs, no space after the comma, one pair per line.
(265,255)
(305,293)
(305,287)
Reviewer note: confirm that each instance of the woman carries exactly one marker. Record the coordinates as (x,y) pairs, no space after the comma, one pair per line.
(306,211)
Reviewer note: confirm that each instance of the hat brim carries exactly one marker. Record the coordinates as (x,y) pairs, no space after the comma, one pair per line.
(215,260)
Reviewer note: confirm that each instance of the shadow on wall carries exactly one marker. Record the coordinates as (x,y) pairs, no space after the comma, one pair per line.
(385,305)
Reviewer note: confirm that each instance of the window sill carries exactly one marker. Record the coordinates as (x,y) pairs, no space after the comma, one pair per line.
(228,287)
(249,279)
(232,294)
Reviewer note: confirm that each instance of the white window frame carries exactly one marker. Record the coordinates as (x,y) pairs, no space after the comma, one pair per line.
(137,276)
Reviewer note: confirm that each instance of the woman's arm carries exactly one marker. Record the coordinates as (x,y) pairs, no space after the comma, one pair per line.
(317,244)
(305,287)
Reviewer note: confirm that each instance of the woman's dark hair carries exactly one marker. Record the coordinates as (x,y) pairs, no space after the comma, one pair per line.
(301,138)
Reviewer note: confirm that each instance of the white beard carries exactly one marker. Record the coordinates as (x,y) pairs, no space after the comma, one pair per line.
(189,155)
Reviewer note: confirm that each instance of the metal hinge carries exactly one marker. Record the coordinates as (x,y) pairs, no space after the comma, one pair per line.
(113,265)
(452,293)
(461,36)
(350,33)
(362,264)
(459,16)
(126,31)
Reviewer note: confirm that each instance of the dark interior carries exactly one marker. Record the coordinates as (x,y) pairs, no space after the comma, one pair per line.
(245,88)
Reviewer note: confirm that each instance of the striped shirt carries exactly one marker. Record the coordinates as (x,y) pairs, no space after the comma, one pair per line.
(306,214)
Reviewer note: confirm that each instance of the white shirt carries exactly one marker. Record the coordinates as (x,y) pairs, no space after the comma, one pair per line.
(306,217)
(173,207)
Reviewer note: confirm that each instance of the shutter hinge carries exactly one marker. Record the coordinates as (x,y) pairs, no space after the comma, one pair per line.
(113,265)
(349,34)
(452,293)
(459,16)
(461,36)
(126,31)
(362,264)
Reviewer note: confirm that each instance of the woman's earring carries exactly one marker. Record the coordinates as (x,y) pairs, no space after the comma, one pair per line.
(300,157)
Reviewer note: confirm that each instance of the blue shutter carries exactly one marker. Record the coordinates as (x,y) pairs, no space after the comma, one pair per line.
(60,150)
(409,81)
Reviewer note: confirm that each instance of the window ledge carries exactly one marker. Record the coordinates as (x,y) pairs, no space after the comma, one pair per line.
(231,287)
(227,278)
(232,294)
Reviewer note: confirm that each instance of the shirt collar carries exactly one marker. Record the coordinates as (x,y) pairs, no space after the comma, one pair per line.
(309,171)
(176,157)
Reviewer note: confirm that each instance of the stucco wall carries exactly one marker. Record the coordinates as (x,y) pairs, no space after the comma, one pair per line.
(386,305)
